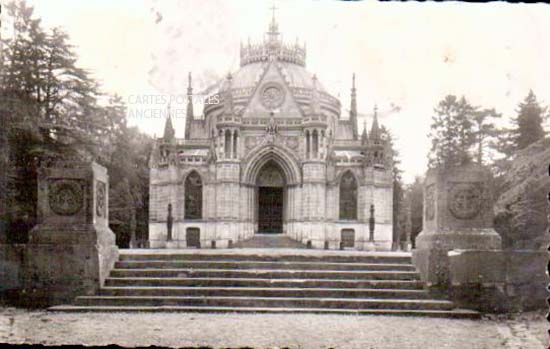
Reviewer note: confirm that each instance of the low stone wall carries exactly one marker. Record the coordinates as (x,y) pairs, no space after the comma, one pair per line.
(498,281)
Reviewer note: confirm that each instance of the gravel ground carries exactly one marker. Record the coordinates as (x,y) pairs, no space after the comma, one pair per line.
(270,330)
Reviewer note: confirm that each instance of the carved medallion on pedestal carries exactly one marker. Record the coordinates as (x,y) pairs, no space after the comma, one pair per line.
(465,199)
(65,197)
(100,198)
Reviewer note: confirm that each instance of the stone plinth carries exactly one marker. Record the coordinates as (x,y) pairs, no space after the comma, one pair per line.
(458,214)
(71,251)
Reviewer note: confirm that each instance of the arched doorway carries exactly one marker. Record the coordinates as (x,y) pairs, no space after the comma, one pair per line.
(270,185)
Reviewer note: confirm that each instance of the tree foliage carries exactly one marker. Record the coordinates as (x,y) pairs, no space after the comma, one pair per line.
(412,209)
(51,108)
(522,210)
(451,132)
(398,193)
(460,132)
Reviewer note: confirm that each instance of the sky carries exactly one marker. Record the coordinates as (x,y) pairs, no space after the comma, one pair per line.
(409,55)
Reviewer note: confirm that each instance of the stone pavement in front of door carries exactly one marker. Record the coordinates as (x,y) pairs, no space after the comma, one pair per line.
(270,241)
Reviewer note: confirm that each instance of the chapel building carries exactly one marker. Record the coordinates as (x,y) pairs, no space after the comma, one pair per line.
(273,156)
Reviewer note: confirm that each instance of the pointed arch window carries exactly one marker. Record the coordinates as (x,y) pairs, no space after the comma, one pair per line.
(308,145)
(348,197)
(315,144)
(193,196)
(235,135)
(227,148)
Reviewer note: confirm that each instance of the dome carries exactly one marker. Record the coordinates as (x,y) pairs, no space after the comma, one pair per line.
(272,78)
(295,75)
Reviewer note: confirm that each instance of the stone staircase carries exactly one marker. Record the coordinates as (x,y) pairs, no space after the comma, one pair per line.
(266,281)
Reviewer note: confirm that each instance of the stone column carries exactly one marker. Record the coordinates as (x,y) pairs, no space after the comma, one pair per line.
(458,214)
(232,144)
(308,145)
(72,250)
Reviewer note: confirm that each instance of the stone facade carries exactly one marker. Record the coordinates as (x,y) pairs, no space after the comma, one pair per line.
(274,127)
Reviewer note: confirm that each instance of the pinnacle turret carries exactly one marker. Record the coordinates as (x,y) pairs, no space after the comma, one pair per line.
(353,108)
(228,96)
(364,137)
(273,48)
(189,113)
(375,128)
(169,132)
(315,105)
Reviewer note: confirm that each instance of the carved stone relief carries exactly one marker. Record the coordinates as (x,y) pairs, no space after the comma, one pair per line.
(250,142)
(272,95)
(100,206)
(270,177)
(464,200)
(65,197)
(292,142)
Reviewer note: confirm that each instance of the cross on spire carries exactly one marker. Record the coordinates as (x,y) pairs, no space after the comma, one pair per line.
(273,8)
(273,27)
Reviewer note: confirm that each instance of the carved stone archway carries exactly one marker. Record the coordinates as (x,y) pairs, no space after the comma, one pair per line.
(278,154)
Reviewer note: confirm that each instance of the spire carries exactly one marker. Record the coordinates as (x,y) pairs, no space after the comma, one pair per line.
(169,133)
(228,97)
(189,114)
(375,129)
(353,108)
(315,107)
(364,134)
(273,31)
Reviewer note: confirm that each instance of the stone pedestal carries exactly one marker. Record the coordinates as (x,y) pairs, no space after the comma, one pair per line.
(71,251)
(458,214)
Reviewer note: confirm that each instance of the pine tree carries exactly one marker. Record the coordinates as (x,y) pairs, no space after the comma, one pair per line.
(484,130)
(52,109)
(527,130)
(528,123)
(452,132)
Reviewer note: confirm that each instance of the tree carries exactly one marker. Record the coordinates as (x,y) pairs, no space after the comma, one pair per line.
(128,168)
(483,130)
(529,122)
(527,127)
(452,133)
(393,159)
(52,108)
(415,200)
(522,209)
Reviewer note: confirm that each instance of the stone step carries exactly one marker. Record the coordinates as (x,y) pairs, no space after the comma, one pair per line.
(267,256)
(455,313)
(269,302)
(265,292)
(269,273)
(258,282)
(279,265)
